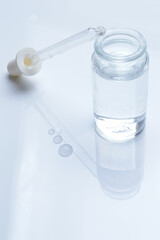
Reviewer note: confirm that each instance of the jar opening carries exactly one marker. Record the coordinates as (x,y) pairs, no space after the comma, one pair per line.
(120,45)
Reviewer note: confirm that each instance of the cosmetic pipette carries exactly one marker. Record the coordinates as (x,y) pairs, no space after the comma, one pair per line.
(28,61)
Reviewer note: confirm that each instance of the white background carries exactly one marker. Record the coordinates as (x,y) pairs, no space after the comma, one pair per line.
(45,199)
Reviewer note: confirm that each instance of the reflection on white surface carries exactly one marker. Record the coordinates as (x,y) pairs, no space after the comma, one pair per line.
(120,166)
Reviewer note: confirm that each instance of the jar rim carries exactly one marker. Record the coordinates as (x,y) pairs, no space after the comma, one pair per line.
(123,32)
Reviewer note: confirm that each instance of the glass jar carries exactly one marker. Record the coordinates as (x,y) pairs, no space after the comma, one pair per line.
(120,82)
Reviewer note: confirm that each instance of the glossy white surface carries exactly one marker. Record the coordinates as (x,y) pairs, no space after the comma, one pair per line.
(45,196)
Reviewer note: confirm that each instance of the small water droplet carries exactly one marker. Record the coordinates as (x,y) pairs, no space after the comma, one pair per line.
(65,150)
(51,131)
(57,139)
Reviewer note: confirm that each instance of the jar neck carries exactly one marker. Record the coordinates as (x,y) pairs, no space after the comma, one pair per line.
(120,45)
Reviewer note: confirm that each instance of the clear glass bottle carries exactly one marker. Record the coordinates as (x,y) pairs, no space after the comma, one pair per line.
(120,82)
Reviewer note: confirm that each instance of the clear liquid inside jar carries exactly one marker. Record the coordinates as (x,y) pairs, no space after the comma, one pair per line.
(120,83)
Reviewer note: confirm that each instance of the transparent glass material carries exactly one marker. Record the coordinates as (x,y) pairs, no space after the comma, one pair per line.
(120,82)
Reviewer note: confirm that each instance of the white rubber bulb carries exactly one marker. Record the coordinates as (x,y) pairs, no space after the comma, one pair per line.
(22,64)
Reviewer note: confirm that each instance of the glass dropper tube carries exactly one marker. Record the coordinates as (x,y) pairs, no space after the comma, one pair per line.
(68,43)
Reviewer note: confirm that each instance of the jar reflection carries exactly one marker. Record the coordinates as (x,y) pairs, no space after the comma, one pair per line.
(120,166)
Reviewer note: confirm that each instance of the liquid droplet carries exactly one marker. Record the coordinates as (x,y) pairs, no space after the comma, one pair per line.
(51,131)
(57,139)
(65,150)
